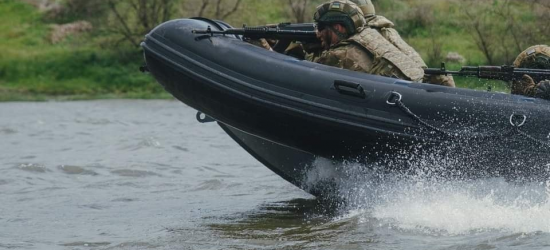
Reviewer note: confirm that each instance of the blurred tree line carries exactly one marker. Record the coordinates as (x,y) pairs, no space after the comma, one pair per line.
(497,30)
(128,21)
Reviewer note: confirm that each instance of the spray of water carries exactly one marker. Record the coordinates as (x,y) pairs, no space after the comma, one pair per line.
(424,201)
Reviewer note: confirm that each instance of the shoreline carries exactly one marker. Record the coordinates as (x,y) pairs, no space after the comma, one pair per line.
(14,96)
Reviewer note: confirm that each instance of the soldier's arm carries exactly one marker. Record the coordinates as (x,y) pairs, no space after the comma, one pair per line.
(261,43)
(346,57)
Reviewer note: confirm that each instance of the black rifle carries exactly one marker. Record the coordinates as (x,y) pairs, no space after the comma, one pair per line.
(283,32)
(504,73)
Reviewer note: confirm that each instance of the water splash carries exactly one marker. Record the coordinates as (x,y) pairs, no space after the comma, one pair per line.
(426,202)
(465,207)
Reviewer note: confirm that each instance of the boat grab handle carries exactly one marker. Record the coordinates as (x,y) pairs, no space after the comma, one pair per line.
(350,88)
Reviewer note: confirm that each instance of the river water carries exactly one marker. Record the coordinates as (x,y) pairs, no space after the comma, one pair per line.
(136,174)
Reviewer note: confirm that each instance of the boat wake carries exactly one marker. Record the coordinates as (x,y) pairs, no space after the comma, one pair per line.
(465,207)
(432,204)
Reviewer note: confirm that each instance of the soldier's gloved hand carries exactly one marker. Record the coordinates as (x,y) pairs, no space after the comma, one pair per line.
(526,86)
(543,90)
(312,47)
(295,50)
(261,43)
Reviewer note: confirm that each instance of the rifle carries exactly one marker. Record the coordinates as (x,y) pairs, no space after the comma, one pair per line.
(284,32)
(504,73)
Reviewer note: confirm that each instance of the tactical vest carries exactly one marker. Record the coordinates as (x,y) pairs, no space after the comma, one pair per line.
(371,40)
(385,27)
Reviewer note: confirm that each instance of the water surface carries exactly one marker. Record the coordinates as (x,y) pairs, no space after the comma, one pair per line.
(127,174)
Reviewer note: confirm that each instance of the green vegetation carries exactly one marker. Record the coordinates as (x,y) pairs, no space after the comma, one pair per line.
(103,61)
(32,68)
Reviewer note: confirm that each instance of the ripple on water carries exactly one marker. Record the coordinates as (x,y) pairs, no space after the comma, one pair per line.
(124,200)
(86,244)
(32,167)
(181,148)
(128,184)
(93,121)
(94,206)
(75,170)
(209,185)
(143,143)
(177,171)
(150,142)
(135,245)
(134,173)
(7,131)
(16,246)
(217,146)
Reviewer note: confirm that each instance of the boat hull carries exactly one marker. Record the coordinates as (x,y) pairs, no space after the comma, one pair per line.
(343,115)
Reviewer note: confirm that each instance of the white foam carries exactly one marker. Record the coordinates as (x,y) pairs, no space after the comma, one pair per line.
(434,205)
(459,208)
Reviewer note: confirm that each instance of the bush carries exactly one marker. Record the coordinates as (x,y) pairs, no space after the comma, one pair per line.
(74,10)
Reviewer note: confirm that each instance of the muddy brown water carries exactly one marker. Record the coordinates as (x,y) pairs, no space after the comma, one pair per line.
(137,174)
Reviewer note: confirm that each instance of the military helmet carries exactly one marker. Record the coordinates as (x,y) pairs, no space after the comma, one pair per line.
(535,57)
(340,12)
(366,6)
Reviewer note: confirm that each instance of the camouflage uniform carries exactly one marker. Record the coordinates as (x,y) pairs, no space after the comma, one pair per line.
(368,51)
(386,28)
(535,57)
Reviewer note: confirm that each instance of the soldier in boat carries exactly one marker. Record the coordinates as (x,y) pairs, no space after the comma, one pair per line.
(349,44)
(386,28)
(353,37)
(371,45)
(534,57)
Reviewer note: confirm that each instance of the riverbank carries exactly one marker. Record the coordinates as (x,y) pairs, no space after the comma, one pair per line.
(38,64)
(34,68)
(20,96)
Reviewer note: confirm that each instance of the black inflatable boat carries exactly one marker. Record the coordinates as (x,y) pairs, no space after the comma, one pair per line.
(286,112)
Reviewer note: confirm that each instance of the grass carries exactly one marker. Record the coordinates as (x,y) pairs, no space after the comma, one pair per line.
(480,84)
(32,68)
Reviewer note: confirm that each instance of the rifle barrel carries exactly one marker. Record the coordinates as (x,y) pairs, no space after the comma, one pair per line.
(504,73)
(433,71)
(269,32)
